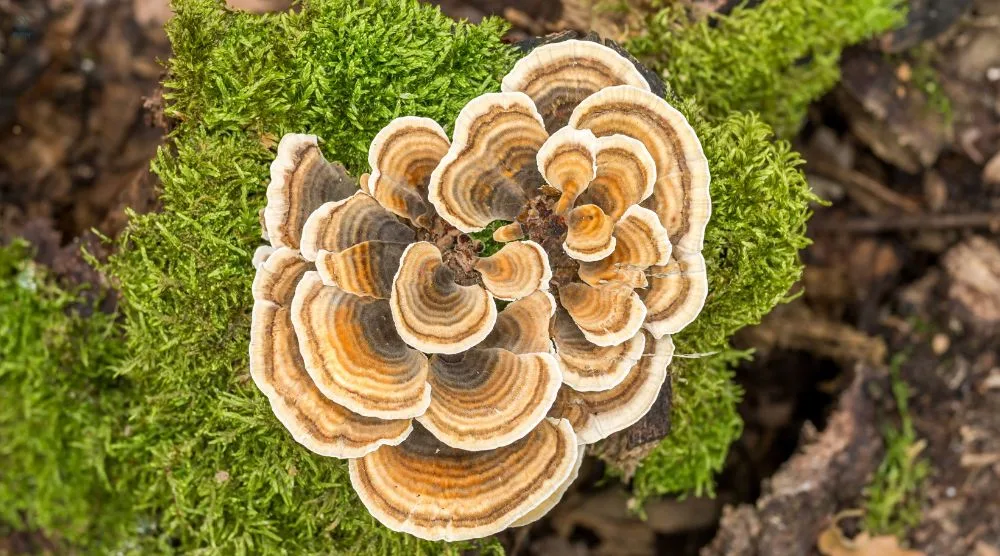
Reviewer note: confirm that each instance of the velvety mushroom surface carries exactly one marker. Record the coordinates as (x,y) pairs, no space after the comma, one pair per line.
(463,384)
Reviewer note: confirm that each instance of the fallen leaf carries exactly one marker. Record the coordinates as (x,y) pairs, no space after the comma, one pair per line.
(832,542)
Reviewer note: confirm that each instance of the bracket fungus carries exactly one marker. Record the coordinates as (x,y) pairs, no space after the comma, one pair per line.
(377,334)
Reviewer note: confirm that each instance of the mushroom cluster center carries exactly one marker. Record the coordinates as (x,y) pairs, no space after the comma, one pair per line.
(377,331)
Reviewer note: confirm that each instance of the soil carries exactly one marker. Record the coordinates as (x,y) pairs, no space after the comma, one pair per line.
(905,260)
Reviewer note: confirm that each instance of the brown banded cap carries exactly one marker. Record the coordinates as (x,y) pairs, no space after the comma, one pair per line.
(483,399)
(490,169)
(430,311)
(523,326)
(590,234)
(597,415)
(681,194)
(339,225)
(559,76)
(365,269)
(588,367)
(641,243)
(676,294)
(626,174)
(509,232)
(607,315)
(278,370)
(435,492)
(518,269)
(301,181)
(539,511)
(354,355)
(402,157)
(568,162)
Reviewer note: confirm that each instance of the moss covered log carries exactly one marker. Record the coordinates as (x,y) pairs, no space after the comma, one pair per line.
(196,458)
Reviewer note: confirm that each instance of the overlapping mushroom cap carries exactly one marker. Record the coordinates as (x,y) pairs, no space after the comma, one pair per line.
(376,331)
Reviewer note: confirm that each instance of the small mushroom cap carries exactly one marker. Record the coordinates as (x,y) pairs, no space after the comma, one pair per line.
(676,294)
(590,234)
(681,197)
(559,76)
(431,312)
(338,225)
(490,169)
(587,367)
(641,242)
(516,270)
(354,355)
(510,232)
(483,399)
(402,157)
(607,315)
(434,492)
(260,255)
(301,181)
(626,174)
(277,369)
(568,162)
(365,269)
(523,326)
(542,509)
(278,276)
(597,415)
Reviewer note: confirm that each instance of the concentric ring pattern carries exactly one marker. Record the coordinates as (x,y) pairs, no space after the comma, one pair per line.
(378,334)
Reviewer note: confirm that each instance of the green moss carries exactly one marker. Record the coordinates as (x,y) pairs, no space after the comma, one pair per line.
(893,498)
(773,59)
(61,406)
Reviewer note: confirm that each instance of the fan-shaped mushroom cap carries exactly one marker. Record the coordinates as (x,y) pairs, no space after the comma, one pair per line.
(490,168)
(568,162)
(260,255)
(301,180)
(597,415)
(353,354)
(432,491)
(587,367)
(590,234)
(510,232)
(365,269)
(676,294)
(402,156)
(314,421)
(558,76)
(641,242)
(277,368)
(431,312)
(523,326)
(278,275)
(626,174)
(681,197)
(540,510)
(342,224)
(607,315)
(483,399)
(516,270)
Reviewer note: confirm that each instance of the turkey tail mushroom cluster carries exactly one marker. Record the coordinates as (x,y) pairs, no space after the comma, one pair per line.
(376,334)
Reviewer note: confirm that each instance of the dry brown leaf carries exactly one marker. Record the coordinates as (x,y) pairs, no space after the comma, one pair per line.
(832,542)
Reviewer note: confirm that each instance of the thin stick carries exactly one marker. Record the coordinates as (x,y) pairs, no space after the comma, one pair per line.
(988,220)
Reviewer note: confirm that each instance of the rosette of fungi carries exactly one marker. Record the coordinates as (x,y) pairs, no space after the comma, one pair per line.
(376,333)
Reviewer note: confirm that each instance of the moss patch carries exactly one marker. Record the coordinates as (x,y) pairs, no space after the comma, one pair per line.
(61,405)
(773,59)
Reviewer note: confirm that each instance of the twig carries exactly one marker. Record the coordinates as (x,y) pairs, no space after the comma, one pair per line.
(855,182)
(988,220)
